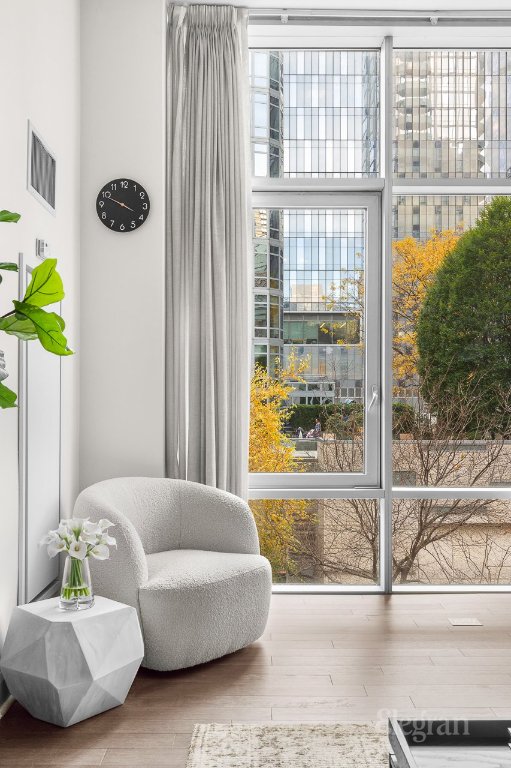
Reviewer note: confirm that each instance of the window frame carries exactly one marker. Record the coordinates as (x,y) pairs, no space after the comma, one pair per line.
(370,478)
(317,33)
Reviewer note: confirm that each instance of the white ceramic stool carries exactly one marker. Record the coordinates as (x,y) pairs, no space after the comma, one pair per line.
(65,666)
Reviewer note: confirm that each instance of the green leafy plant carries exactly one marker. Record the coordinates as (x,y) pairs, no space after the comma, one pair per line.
(27,319)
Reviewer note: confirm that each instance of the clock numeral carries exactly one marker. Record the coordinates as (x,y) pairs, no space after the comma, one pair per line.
(135,187)
(112,222)
(103,215)
(106,194)
(124,184)
(133,225)
(141,218)
(142,195)
(122,227)
(101,203)
(113,186)
(144,206)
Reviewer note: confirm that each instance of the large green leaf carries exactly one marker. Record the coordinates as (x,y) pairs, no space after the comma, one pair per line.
(9,216)
(48,326)
(45,286)
(7,397)
(18,325)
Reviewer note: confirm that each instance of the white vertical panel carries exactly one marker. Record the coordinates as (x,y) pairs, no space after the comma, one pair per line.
(40,418)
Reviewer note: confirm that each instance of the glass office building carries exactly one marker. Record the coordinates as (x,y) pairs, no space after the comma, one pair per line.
(314,114)
(452,116)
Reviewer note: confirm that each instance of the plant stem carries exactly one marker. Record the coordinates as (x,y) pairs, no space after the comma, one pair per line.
(75,586)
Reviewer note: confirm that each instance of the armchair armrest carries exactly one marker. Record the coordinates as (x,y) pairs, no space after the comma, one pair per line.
(120,577)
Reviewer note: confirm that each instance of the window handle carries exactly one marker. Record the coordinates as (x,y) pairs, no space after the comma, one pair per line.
(375,390)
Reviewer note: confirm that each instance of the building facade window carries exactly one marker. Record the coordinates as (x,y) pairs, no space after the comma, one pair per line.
(452,112)
(315,113)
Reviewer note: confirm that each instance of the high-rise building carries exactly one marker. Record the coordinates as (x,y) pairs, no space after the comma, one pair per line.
(267,103)
(314,114)
(452,114)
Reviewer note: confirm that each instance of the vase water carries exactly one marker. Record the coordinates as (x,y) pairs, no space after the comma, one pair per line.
(76,593)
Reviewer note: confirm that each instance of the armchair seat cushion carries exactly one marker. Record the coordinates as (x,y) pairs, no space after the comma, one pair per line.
(198,605)
(189,568)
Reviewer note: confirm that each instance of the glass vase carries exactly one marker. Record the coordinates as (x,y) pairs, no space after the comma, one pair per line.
(76,592)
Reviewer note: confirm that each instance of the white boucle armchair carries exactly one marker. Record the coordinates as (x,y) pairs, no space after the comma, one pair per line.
(188,560)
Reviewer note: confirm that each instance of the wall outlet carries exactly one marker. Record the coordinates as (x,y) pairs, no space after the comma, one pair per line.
(42,249)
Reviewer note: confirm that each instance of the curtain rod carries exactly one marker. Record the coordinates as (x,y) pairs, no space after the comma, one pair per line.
(370,18)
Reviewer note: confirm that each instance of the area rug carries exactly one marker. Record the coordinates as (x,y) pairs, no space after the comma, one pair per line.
(346,745)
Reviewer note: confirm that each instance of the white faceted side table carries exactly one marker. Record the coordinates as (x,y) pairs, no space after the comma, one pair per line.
(65,666)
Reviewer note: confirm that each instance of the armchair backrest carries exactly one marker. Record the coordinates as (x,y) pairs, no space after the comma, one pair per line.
(177,514)
(150,504)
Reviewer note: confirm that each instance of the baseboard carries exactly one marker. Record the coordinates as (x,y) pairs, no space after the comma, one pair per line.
(5,697)
(4,708)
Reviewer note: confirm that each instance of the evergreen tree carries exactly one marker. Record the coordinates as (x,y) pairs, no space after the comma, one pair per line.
(464,327)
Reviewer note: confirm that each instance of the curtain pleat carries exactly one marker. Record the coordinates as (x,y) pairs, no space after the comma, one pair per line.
(208,254)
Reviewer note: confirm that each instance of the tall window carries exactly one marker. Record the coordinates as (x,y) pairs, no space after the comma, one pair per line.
(451,416)
(316,433)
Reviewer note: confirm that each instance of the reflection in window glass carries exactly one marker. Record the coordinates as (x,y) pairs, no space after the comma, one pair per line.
(260,316)
(419,216)
(446,541)
(261,355)
(319,112)
(326,328)
(309,304)
(259,115)
(320,541)
(452,114)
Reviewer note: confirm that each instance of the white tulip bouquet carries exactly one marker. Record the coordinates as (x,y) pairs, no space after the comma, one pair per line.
(80,539)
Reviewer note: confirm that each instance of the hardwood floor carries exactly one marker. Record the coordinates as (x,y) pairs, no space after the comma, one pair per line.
(322,659)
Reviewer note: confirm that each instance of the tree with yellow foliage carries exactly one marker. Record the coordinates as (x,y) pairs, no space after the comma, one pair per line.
(270,450)
(415,264)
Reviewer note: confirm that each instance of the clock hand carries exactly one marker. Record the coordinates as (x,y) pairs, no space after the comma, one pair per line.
(123,205)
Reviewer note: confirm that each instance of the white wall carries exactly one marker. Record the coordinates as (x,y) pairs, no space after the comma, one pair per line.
(39,61)
(122,278)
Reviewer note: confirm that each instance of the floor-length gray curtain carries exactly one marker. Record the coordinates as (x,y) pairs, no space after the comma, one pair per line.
(208,296)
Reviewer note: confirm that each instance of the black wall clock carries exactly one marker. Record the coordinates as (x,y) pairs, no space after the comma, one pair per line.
(122,205)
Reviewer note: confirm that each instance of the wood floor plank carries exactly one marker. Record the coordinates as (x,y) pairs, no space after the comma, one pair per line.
(491,660)
(252,694)
(43,755)
(353,660)
(459,695)
(289,645)
(68,738)
(403,675)
(146,758)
